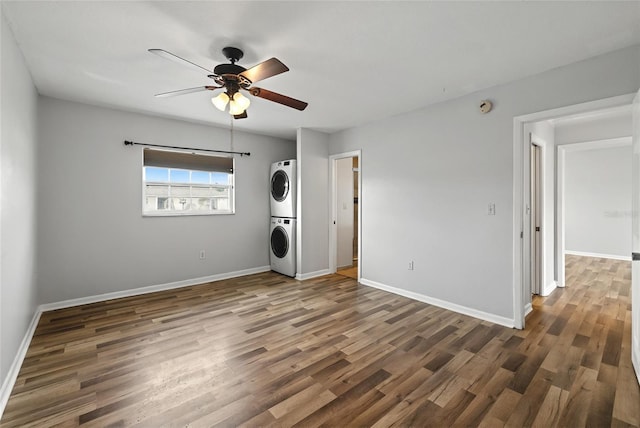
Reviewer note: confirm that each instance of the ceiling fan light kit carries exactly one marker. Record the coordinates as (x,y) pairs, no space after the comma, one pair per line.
(220,102)
(237,104)
(233,78)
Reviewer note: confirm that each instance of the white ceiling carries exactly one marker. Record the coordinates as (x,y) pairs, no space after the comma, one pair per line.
(353,62)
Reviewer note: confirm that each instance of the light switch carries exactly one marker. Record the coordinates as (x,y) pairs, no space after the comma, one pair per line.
(492,209)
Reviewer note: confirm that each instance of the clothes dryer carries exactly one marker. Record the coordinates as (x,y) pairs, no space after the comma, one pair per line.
(283,245)
(283,189)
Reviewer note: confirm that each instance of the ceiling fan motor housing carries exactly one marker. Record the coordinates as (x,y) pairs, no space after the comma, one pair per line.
(228,69)
(227,74)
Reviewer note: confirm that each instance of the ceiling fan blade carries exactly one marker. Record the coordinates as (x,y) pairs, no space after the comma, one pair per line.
(278,98)
(268,68)
(187,91)
(242,115)
(176,58)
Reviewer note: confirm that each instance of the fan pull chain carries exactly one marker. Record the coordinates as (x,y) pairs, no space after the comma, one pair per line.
(231,132)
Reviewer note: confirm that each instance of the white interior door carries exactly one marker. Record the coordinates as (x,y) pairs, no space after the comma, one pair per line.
(635,241)
(536,219)
(344,212)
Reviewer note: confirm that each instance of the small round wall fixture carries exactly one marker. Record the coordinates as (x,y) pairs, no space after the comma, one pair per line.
(485,106)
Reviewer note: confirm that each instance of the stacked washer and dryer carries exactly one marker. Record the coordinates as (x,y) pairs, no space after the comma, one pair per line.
(283,217)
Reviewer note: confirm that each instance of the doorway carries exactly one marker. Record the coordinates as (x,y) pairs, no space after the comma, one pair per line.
(347,217)
(522,239)
(584,232)
(345,234)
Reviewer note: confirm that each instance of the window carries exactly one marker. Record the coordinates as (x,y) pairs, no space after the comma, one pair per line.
(178,183)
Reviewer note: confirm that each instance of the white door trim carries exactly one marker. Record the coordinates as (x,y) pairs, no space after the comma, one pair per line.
(333,207)
(520,143)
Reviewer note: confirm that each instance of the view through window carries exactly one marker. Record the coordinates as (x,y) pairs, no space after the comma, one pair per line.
(177,183)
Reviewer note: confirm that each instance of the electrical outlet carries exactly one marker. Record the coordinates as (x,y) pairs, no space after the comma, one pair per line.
(492,209)
(203,255)
(411,265)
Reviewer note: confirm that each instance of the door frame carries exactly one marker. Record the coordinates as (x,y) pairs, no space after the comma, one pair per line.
(333,207)
(520,147)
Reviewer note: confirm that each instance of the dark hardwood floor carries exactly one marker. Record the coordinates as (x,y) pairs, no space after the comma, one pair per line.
(266,350)
(351,271)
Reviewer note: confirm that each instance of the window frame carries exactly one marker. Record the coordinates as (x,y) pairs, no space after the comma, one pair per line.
(173,213)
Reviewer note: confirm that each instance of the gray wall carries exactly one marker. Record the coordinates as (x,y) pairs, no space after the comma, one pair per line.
(598,201)
(92,236)
(313,202)
(429,175)
(18,296)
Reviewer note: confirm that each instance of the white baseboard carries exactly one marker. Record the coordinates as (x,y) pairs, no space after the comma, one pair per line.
(496,319)
(527,309)
(635,360)
(150,289)
(309,275)
(12,375)
(598,255)
(548,289)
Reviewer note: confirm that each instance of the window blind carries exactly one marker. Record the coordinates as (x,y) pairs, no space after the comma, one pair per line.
(192,161)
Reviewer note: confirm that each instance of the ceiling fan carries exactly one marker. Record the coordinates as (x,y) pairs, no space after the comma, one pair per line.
(233,78)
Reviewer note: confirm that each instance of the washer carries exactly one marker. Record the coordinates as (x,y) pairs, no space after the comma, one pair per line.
(283,245)
(283,188)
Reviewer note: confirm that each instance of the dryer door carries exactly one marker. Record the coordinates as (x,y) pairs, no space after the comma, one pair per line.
(279,185)
(279,242)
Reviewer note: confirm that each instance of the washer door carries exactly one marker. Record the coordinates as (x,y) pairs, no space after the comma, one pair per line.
(279,242)
(279,185)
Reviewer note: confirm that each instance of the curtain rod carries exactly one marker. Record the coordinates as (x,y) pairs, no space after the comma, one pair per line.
(133,143)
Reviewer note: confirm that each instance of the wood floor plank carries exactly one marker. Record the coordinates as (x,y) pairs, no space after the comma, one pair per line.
(308,400)
(504,405)
(580,396)
(551,408)
(532,399)
(268,350)
(625,407)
